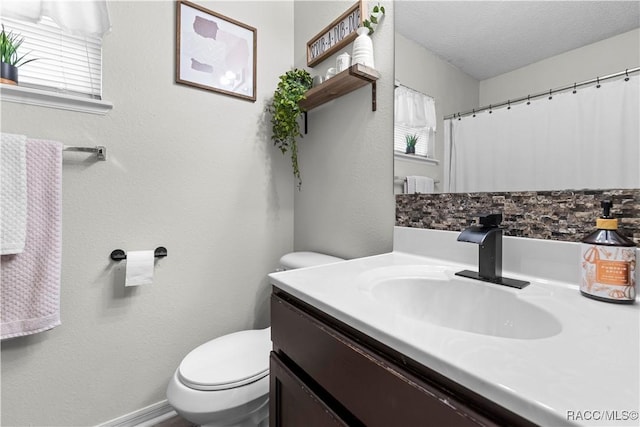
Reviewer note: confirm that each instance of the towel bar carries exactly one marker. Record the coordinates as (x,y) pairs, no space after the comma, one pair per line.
(119,254)
(401,180)
(99,150)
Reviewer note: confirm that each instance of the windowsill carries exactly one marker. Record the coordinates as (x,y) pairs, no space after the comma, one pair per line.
(415,158)
(45,98)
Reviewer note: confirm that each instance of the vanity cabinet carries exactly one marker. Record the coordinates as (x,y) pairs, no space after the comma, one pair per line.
(326,373)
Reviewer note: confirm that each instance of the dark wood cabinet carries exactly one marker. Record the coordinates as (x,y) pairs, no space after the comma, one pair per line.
(296,403)
(325,373)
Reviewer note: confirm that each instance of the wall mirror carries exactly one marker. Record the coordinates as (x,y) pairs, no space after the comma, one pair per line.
(469,54)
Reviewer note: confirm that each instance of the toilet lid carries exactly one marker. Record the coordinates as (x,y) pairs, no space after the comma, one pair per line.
(227,362)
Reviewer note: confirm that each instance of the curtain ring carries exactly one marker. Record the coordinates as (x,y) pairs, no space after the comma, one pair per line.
(574,88)
(550,96)
(509,107)
(490,109)
(598,81)
(459,116)
(528,99)
(626,72)
(474,112)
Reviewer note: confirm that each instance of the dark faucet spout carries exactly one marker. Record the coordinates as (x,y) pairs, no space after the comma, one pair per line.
(478,234)
(488,236)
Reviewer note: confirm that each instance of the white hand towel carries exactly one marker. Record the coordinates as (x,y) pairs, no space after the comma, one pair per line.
(13,193)
(424,184)
(420,184)
(30,281)
(410,186)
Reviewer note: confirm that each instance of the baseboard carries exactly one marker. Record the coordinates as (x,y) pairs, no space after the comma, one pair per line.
(145,417)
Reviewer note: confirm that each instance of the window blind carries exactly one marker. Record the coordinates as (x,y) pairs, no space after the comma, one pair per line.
(424,144)
(66,63)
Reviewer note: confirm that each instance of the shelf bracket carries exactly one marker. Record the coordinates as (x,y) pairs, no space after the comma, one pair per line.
(354,77)
(374,104)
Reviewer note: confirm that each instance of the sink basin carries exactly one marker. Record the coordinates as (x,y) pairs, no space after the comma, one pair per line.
(435,295)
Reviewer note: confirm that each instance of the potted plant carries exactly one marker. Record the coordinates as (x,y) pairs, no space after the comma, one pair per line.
(411,141)
(9,59)
(285,112)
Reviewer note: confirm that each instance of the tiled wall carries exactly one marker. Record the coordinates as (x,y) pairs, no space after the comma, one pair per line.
(553,215)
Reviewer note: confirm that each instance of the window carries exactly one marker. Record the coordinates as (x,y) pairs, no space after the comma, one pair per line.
(66,63)
(425,139)
(414,114)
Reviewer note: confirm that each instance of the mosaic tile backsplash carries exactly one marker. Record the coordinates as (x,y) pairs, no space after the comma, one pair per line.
(553,215)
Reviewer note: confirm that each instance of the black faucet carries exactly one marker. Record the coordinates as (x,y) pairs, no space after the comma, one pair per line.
(488,235)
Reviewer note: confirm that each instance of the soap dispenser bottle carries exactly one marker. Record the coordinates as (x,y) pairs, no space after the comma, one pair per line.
(608,261)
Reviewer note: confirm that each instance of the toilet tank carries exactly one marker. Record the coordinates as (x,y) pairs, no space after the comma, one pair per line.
(294,260)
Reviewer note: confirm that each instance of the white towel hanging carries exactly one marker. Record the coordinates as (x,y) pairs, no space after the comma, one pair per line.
(419,184)
(13,193)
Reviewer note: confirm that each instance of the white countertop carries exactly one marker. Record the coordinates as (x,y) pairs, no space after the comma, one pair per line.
(587,374)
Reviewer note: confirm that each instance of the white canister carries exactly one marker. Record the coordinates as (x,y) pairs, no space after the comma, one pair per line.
(330,73)
(343,62)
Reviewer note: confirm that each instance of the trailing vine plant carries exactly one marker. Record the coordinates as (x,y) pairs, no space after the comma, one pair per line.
(374,18)
(285,112)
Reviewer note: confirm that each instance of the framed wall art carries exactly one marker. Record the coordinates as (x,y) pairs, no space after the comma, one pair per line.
(336,35)
(214,52)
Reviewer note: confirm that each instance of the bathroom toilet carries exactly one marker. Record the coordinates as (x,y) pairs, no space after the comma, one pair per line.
(225,381)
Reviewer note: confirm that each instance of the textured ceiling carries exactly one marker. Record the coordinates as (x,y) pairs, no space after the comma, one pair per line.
(488,38)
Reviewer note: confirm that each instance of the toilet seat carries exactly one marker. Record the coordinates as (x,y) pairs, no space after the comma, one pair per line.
(227,362)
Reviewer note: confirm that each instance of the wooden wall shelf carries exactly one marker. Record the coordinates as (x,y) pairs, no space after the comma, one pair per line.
(342,83)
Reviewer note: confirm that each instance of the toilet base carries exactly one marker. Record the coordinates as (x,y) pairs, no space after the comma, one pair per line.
(245,406)
(259,418)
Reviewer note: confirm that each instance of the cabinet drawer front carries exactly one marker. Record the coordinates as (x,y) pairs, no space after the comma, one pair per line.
(368,386)
(292,403)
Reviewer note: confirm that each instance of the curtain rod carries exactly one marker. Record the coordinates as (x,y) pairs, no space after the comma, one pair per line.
(397,84)
(547,93)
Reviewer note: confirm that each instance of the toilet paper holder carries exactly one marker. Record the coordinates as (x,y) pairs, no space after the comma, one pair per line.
(119,254)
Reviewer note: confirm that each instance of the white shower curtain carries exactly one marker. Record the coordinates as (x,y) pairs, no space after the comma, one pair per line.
(590,139)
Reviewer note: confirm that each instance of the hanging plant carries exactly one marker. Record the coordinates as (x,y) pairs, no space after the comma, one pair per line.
(374,18)
(285,112)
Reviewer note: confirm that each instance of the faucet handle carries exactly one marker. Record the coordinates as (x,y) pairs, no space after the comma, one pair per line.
(490,220)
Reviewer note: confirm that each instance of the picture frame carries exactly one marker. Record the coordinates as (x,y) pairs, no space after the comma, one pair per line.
(215,52)
(336,35)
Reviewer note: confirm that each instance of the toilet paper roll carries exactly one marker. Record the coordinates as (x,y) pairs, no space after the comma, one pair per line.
(139,268)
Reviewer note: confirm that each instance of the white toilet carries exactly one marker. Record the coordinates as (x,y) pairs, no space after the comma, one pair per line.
(225,382)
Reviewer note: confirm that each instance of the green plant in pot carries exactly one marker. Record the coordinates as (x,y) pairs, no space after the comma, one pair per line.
(285,113)
(411,141)
(10,42)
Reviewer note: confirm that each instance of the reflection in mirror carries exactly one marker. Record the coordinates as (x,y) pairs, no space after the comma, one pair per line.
(466,55)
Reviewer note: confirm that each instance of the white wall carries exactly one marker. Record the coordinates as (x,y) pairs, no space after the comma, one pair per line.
(605,57)
(189,169)
(346,206)
(453,91)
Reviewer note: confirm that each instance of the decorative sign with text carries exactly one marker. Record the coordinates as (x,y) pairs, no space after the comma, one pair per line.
(336,35)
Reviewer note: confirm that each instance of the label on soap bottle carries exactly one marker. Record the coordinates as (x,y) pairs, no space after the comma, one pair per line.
(608,272)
